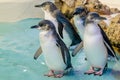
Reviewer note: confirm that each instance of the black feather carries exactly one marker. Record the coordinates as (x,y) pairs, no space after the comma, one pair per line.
(69,28)
(106,39)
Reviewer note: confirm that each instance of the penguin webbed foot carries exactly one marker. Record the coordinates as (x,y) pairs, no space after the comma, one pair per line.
(59,75)
(51,73)
(62,73)
(99,73)
(90,71)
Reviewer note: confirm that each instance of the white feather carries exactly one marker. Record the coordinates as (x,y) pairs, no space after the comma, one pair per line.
(94,47)
(51,52)
(79,25)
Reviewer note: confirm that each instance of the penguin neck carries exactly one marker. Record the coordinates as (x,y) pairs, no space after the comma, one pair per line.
(92,28)
(46,36)
(49,16)
(78,19)
(79,23)
(46,33)
(91,24)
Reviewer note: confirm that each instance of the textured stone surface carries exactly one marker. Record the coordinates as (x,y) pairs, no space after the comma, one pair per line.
(68,6)
(69,2)
(113,31)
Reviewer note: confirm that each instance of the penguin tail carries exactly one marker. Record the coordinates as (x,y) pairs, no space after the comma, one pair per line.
(68,69)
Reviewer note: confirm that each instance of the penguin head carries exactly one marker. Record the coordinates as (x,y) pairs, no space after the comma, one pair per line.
(47,6)
(81,11)
(44,25)
(94,17)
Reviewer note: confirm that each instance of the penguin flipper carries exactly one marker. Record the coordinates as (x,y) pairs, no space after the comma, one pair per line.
(77,49)
(38,53)
(60,29)
(110,50)
(107,43)
(68,27)
(65,53)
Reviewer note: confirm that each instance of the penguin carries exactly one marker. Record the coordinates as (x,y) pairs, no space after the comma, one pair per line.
(80,24)
(79,16)
(55,52)
(96,44)
(63,27)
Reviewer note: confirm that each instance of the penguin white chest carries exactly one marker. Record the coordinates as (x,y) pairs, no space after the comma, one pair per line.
(94,47)
(52,54)
(79,25)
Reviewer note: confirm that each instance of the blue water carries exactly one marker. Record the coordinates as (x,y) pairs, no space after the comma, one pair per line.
(18,43)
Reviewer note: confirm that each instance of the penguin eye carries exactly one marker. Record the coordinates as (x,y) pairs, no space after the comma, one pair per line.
(82,10)
(44,4)
(92,17)
(47,27)
(42,25)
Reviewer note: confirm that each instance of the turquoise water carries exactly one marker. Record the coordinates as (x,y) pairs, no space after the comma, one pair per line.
(18,44)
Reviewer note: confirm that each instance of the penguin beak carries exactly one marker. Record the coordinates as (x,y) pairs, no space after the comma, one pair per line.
(75,12)
(36,26)
(78,11)
(102,18)
(38,5)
